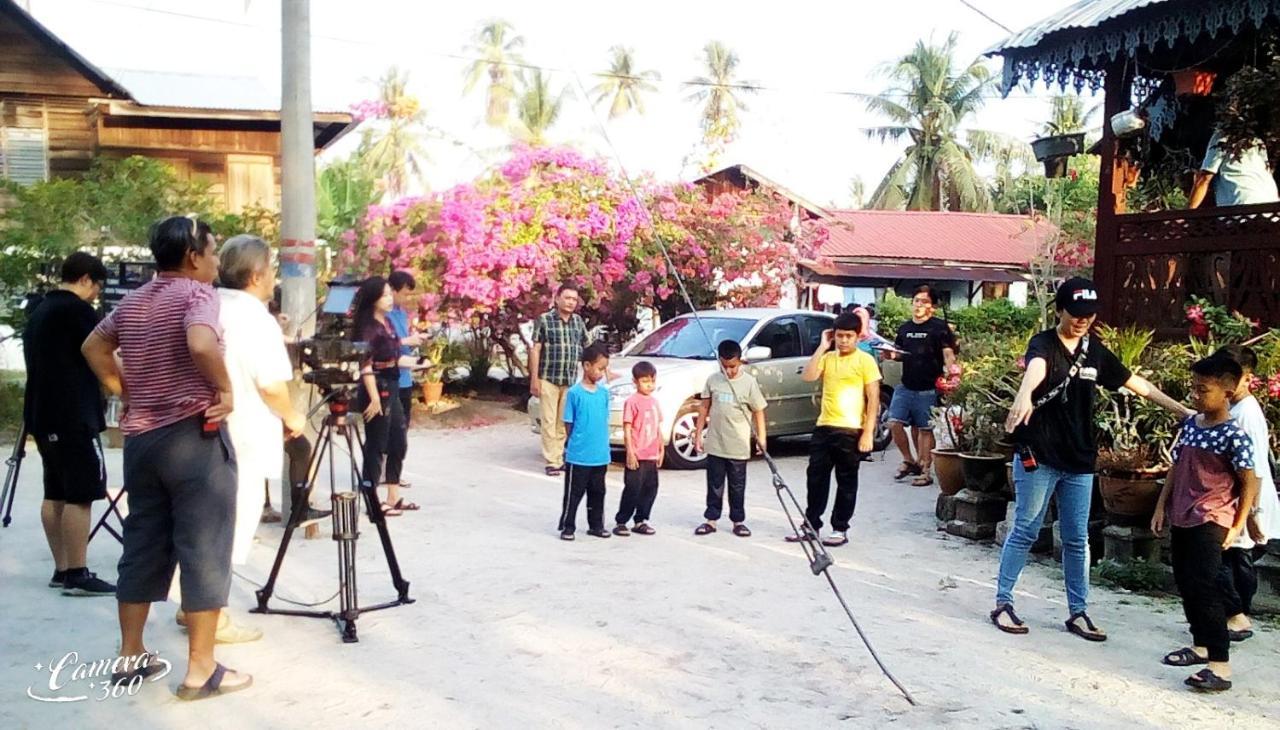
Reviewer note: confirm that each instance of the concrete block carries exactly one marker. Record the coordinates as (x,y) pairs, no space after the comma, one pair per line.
(945,509)
(980,507)
(972,530)
(1125,544)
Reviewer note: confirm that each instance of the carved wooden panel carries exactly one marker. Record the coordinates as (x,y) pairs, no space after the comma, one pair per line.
(1230,256)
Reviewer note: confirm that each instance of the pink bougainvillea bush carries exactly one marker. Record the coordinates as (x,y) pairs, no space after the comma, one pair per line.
(490,253)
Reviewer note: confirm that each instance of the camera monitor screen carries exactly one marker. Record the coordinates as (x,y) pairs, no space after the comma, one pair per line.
(339,300)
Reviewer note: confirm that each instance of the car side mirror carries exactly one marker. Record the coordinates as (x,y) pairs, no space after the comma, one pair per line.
(757,353)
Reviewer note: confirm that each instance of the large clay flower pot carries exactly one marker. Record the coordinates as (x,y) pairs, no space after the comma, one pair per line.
(983,472)
(947,466)
(1130,495)
(431,392)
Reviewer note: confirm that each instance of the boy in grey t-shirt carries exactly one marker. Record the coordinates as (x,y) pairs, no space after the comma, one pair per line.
(726,399)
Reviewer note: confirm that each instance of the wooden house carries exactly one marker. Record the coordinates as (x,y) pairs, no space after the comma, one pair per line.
(58,112)
(1148,264)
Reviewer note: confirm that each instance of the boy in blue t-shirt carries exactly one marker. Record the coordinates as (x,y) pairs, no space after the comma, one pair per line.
(586,454)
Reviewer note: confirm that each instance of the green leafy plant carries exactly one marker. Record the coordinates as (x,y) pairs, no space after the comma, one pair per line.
(892,311)
(1134,575)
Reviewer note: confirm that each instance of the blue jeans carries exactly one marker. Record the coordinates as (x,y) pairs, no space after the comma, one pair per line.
(1075,491)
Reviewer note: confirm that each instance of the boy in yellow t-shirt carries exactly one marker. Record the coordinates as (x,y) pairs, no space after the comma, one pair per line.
(845,429)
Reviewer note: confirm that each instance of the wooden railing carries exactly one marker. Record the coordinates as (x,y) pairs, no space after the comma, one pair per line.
(1156,261)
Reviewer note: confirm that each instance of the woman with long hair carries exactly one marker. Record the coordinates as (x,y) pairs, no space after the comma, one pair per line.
(378,399)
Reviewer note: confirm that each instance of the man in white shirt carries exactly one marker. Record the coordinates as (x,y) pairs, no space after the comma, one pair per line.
(260,371)
(1240,180)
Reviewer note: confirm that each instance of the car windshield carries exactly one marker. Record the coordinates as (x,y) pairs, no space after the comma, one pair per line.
(683,338)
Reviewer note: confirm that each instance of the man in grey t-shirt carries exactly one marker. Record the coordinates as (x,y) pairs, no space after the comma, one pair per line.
(727,398)
(1243,180)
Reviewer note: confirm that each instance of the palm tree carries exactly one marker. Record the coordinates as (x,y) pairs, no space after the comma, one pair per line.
(1066,115)
(394,154)
(623,84)
(496,47)
(929,104)
(719,92)
(537,110)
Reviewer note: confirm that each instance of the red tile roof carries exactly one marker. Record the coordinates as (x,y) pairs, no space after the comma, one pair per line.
(983,238)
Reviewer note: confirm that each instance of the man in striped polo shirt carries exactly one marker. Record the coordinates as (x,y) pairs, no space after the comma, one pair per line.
(179,473)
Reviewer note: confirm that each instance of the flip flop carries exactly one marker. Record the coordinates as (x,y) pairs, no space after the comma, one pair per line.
(706,528)
(907,469)
(212,687)
(1018,626)
(1089,632)
(742,531)
(406,506)
(924,480)
(835,540)
(1206,681)
(390,510)
(1240,635)
(643,529)
(1184,657)
(144,672)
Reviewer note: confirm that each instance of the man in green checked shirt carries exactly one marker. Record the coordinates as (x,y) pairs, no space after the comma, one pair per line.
(558,339)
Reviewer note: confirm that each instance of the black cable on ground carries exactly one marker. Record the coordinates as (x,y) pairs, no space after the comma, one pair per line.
(820,560)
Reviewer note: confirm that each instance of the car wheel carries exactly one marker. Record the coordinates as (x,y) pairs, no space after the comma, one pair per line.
(680,454)
(883,435)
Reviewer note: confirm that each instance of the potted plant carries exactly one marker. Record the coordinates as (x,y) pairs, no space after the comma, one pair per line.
(1135,435)
(444,358)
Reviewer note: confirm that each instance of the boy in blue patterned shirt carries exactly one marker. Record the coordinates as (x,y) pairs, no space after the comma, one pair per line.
(1206,502)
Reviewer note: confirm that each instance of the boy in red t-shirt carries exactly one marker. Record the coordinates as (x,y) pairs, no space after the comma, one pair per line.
(642,432)
(1206,504)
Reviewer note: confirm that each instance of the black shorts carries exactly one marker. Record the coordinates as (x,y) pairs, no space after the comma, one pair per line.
(74,468)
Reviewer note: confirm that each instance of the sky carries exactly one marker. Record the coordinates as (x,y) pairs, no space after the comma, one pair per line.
(803,130)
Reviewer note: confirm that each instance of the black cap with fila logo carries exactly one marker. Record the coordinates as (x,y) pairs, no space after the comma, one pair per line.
(1078,296)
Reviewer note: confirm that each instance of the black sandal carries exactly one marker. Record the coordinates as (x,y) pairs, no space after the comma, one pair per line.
(1018,626)
(1184,657)
(706,528)
(152,667)
(1240,635)
(406,506)
(908,469)
(212,687)
(1089,632)
(643,529)
(1206,681)
(742,530)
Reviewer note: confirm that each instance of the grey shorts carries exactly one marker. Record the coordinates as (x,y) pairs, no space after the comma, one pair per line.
(181,488)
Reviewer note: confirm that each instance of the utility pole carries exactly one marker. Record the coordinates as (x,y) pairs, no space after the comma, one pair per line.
(298,181)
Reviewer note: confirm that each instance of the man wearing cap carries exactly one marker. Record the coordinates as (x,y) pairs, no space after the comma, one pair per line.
(1052,423)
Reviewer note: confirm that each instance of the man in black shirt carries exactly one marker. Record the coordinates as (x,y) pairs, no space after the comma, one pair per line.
(1052,422)
(63,412)
(928,346)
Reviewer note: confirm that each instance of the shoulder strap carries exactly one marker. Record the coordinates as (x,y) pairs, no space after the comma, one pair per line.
(1057,390)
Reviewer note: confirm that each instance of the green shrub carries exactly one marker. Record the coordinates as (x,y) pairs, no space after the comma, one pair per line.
(1137,575)
(994,316)
(10,407)
(891,312)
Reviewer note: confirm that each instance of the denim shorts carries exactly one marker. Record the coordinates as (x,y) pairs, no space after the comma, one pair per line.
(913,407)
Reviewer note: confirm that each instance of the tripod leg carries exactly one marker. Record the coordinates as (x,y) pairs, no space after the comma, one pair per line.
(295,517)
(14,464)
(346,529)
(379,521)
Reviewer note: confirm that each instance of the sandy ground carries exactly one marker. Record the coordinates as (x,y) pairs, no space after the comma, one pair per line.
(514,627)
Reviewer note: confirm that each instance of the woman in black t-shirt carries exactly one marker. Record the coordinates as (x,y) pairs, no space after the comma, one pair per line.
(1052,422)
(378,399)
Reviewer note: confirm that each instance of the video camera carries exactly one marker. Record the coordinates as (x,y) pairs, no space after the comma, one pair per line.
(331,358)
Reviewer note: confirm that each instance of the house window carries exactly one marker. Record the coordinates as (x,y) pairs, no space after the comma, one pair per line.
(24,155)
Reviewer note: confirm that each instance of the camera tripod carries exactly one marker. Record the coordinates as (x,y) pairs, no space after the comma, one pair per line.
(339,428)
(13,468)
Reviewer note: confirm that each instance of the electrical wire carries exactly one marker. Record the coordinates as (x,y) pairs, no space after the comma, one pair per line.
(984,14)
(820,561)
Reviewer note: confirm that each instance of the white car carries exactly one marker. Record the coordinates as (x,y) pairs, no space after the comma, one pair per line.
(776,345)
